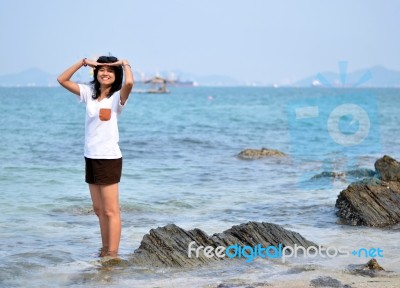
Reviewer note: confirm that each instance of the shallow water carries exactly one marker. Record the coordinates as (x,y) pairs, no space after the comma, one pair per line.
(180,166)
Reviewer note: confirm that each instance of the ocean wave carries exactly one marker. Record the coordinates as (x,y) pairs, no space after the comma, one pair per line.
(355,174)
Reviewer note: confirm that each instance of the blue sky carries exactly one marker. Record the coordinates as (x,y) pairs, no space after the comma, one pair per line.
(254,40)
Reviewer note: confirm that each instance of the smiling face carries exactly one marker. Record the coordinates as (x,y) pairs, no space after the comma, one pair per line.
(106,75)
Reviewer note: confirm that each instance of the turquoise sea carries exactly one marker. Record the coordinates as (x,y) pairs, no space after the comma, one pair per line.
(181,166)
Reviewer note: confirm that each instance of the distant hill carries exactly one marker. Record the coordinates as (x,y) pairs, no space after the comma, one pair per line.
(377,76)
(30,77)
(37,77)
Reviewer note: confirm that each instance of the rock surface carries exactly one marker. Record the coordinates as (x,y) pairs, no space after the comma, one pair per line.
(168,246)
(371,268)
(373,265)
(373,201)
(388,168)
(326,281)
(252,154)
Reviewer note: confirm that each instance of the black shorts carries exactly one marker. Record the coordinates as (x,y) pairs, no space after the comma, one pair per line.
(103,171)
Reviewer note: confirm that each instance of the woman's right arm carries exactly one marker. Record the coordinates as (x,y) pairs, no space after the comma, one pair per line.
(65,78)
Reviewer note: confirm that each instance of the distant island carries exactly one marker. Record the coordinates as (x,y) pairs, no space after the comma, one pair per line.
(377,76)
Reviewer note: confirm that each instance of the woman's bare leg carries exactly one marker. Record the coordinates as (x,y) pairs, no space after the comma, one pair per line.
(111,209)
(98,207)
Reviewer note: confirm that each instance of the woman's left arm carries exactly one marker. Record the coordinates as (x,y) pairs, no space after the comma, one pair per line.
(128,84)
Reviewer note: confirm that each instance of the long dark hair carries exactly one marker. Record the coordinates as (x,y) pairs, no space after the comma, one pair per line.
(118,77)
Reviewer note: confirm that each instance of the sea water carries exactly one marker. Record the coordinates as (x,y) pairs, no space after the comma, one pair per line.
(180,166)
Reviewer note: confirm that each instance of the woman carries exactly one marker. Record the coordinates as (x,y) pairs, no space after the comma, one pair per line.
(105,98)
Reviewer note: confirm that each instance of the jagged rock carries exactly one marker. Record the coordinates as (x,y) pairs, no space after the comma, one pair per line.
(388,168)
(373,265)
(168,246)
(252,154)
(371,268)
(243,284)
(372,201)
(326,281)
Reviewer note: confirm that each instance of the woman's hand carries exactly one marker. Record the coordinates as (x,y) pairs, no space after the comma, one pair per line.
(91,63)
(94,64)
(118,63)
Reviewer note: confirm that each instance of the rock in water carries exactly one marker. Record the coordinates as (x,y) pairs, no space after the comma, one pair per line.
(373,265)
(357,173)
(372,269)
(373,202)
(168,246)
(326,281)
(252,154)
(388,168)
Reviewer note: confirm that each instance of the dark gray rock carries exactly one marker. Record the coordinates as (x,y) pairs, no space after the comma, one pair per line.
(329,174)
(327,281)
(388,168)
(168,246)
(372,201)
(243,285)
(252,154)
(302,268)
(356,173)
(371,269)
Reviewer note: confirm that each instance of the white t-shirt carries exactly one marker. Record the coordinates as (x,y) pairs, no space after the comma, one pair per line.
(101,136)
